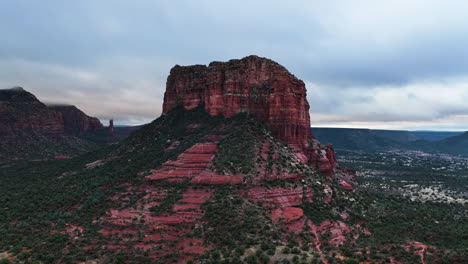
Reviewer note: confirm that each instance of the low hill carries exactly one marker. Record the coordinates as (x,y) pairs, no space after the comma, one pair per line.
(369,140)
(456,144)
(435,135)
(364,139)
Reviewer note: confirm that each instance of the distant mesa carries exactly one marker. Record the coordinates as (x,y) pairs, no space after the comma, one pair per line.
(22,110)
(370,140)
(31,128)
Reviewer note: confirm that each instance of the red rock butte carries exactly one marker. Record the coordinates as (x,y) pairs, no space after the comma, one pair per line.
(255,85)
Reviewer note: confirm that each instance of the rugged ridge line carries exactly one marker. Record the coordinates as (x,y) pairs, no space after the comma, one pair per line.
(22,111)
(76,121)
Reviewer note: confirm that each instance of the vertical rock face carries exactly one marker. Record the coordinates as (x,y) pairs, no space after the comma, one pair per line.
(253,84)
(76,121)
(22,112)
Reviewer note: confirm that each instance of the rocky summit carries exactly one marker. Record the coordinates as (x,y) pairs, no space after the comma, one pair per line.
(254,85)
(75,121)
(20,109)
(31,129)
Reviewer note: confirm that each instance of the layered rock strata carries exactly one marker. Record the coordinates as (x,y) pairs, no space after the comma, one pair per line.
(255,85)
(22,113)
(258,86)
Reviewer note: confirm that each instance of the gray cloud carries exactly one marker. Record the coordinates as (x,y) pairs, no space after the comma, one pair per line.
(385,63)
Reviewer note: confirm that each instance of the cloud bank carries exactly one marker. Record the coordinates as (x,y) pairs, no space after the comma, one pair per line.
(378,64)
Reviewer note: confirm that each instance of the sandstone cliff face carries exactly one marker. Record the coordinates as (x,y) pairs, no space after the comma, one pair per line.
(22,111)
(76,121)
(255,85)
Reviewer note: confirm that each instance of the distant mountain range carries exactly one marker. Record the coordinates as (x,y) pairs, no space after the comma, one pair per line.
(377,140)
(435,135)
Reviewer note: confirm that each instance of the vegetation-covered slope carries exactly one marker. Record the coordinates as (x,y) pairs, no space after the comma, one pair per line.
(186,188)
(369,140)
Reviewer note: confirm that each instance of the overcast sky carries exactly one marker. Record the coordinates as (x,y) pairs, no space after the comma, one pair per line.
(376,64)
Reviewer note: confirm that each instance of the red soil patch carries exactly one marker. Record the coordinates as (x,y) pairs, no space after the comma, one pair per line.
(288,214)
(184,207)
(117,232)
(296,226)
(73,230)
(158,237)
(168,220)
(285,176)
(196,196)
(301,157)
(292,213)
(346,185)
(419,249)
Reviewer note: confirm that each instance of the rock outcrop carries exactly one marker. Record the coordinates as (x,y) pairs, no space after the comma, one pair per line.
(30,130)
(22,112)
(255,85)
(322,157)
(76,121)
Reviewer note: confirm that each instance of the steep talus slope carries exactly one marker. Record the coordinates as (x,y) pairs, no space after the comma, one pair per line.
(364,139)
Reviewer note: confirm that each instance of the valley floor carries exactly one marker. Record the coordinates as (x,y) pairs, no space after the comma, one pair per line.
(417,196)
